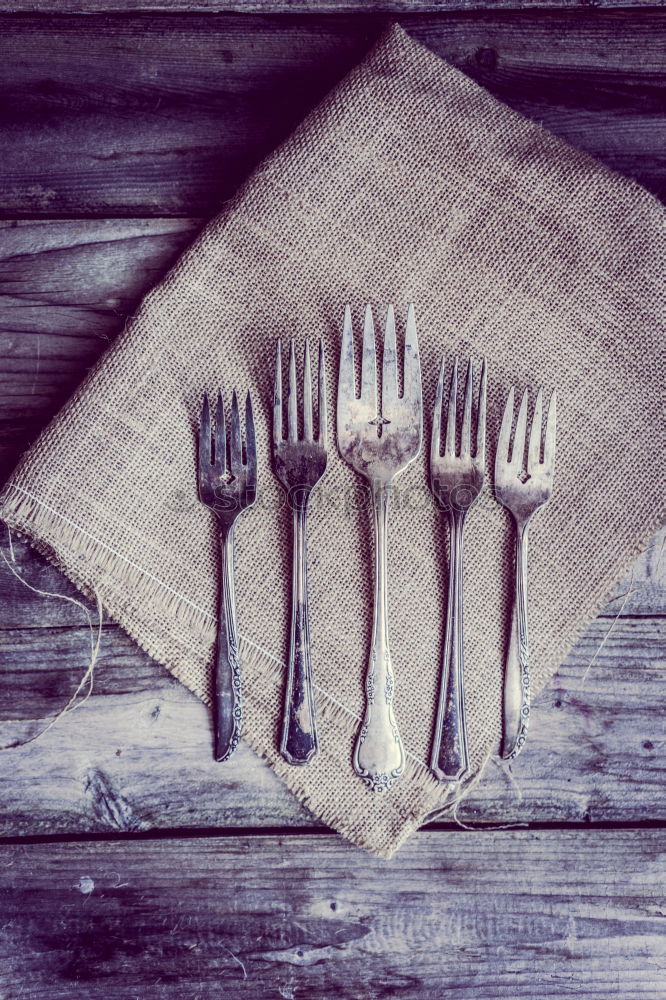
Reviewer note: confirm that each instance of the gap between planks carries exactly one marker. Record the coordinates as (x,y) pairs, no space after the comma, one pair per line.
(226,833)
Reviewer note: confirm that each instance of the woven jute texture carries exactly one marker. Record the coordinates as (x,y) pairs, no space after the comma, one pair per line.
(409,183)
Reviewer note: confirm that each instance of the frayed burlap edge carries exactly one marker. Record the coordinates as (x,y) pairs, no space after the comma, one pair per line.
(68,547)
(45,528)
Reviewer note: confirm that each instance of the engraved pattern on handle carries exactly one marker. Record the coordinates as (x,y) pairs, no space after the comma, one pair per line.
(516,701)
(228,713)
(449,760)
(379,756)
(299,735)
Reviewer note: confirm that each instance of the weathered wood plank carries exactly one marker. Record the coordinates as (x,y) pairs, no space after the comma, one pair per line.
(597,736)
(546,914)
(308,6)
(155,115)
(137,755)
(66,289)
(643,591)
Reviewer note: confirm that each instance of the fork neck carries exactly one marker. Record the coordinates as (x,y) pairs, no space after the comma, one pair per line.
(299,505)
(226,529)
(456,524)
(299,499)
(227,542)
(522,524)
(381,495)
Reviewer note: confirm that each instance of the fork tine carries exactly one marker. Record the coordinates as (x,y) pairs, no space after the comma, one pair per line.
(481,418)
(466,432)
(390,361)
(437,418)
(277,396)
(322,436)
(204,440)
(518,450)
(307,394)
(292,396)
(220,435)
(346,378)
(502,454)
(250,443)
(450,448)
(369,362)
(412,369)
(235,450)
(549,444)
(534,447)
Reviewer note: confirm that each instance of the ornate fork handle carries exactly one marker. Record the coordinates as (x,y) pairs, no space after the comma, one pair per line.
(228,713)
(516,706)
(449,759)
(379,756)
(299,735)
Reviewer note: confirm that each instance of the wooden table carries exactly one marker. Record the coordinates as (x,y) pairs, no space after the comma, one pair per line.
(131,865)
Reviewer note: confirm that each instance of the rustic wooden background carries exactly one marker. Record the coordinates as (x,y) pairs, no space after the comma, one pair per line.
(131,865)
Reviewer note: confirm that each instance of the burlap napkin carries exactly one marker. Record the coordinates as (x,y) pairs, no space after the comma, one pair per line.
(409,183)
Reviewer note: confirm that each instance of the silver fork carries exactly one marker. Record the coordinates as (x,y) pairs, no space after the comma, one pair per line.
(522,496)
(299,465)
(227,485)
(379,444)
(456,481)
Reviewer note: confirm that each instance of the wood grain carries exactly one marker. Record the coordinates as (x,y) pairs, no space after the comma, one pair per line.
(310,6)
(546,914)
(166,114)
(66,290)
(137,755)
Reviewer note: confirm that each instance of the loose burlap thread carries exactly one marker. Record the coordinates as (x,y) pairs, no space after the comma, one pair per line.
(409,183)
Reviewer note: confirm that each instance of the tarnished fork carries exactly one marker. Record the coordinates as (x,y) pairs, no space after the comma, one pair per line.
(300,462)
(522,495)
(227,485)
(456,479)
(379,443)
